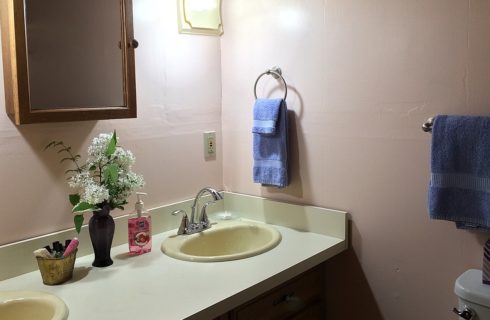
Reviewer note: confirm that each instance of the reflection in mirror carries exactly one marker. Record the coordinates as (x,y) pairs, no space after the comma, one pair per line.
(74,53)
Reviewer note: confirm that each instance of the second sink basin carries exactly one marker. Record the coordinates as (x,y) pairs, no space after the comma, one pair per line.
(31,305)
(225,240)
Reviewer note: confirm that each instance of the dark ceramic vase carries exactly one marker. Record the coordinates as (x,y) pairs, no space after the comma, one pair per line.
(101,228)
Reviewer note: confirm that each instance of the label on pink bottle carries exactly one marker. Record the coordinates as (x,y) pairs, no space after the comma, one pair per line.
(142,238)
(139,235)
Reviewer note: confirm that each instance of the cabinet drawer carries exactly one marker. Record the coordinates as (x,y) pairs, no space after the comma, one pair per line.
(314,312)
(287,300)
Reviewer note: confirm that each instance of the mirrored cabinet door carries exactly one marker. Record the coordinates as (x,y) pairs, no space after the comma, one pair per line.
(68,60)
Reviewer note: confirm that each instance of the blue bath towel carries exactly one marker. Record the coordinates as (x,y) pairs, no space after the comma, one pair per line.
(266,112)
(270,142)
(459,187)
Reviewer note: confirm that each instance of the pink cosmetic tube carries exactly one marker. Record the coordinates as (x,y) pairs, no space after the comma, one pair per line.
(71,247)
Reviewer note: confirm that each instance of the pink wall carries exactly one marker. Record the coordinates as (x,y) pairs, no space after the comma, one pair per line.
(166,138)
(363,76)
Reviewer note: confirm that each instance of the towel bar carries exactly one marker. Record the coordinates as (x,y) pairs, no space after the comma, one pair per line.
(427,126)
(276,73)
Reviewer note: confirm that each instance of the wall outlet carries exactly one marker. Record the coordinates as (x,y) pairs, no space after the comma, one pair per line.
(209,144)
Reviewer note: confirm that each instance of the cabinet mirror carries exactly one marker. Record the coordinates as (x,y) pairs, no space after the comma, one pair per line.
(68,60)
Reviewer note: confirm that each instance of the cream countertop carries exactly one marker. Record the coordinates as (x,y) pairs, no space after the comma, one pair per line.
(160,287)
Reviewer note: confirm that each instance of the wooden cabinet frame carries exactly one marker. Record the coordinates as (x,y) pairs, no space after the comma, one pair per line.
(16,78)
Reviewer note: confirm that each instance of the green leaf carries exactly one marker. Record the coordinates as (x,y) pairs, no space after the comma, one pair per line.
(78,220)
(111,147)
(92,168)
(75,157)
(49,145)
(67,149)
(74,199)
(66,159)
(110,173)
(82,206)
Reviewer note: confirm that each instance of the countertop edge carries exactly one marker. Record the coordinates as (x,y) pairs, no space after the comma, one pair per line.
(242,297)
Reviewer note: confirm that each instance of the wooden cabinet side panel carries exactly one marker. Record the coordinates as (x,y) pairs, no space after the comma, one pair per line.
(129,60)
(9,60)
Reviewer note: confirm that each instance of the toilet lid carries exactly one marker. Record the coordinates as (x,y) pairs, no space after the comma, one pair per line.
(469,286)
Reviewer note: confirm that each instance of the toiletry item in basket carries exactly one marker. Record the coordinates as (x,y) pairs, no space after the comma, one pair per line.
(57,249)
(43,253)
(139,229)
(70,247)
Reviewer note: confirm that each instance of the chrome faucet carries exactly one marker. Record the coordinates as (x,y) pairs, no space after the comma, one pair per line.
(200,223)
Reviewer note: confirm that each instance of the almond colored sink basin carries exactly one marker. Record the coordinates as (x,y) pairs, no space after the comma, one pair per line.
(31,305)
(224,241)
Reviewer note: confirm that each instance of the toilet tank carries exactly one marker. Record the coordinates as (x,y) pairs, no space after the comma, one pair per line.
(473,294)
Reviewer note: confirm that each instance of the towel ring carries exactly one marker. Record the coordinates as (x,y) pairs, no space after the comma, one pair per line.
(276,73)
(427,126)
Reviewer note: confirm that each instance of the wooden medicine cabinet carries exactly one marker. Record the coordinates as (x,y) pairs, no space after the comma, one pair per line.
(68,60)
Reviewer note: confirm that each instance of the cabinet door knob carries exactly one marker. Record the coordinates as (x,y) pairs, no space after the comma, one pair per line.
(134,44)
(284,299)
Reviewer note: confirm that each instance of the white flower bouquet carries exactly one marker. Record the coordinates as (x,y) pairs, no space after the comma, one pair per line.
(105,179)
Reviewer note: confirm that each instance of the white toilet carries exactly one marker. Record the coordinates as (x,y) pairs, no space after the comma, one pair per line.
(474,296)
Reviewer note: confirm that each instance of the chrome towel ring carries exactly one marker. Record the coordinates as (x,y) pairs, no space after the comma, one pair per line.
(427,126)
(276,73)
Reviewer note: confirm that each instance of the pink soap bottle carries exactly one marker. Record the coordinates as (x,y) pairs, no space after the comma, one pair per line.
(139,229)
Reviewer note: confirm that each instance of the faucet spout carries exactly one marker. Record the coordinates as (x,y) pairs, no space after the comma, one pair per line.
(190,226)
(214,194)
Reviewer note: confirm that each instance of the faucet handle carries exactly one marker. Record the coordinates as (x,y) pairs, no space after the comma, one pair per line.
(184,224)
(204,216)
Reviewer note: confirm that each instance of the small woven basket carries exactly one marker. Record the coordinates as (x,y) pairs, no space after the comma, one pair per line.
(57,270)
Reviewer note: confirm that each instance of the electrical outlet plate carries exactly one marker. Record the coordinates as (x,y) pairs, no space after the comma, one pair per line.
(209,140)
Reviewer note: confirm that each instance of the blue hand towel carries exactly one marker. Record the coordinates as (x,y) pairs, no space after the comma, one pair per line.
(270,143)
(266,112)
(459,187)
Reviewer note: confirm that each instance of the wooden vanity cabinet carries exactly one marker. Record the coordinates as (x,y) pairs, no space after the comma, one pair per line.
(301,298)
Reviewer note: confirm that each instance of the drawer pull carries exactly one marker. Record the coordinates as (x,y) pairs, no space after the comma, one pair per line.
(284,299)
